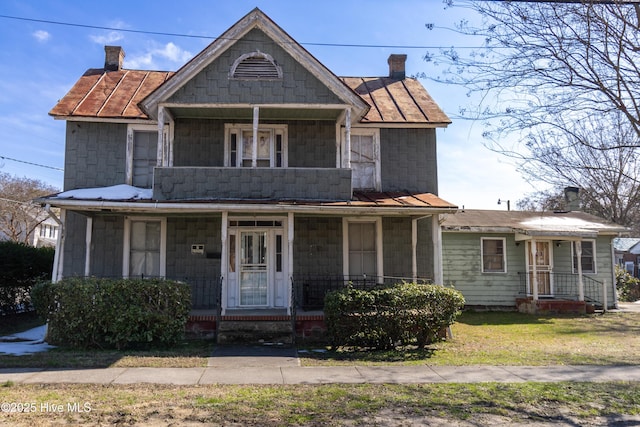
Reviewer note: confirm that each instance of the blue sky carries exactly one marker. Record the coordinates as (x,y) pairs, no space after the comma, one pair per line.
(40,61)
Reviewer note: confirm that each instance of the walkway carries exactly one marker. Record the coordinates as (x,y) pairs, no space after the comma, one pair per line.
(235,374)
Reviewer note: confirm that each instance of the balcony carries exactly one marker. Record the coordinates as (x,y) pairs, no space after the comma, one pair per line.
(219,183)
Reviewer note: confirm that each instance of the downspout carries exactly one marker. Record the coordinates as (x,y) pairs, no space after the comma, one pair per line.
(58,257)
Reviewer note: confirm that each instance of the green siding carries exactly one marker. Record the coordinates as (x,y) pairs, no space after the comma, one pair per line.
(462,268)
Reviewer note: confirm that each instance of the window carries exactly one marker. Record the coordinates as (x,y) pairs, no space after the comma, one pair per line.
(362,247)
(365,155)
(142,154)
(268,150)
(588,256)
(144,247)
(493,255)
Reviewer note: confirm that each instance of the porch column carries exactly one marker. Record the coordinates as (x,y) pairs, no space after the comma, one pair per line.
(347,139)
(224,262)
(58,256)
(534,271)
(160,148)
(254,154)
(579,266)
(290,237)
(414,246)
(438,275)
(87,249)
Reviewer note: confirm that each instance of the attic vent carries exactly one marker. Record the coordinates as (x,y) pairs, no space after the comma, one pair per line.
(255,66)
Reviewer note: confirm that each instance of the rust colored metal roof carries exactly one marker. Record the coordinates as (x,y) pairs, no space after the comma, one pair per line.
(395,200)
(116,94)
(110,94)
(397,101)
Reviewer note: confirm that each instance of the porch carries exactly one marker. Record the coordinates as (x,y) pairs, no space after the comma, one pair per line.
(562,294)
(304,320)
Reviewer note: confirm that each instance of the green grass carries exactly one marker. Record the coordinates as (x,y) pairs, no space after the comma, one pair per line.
(479,338)
(506,338)
(331,404)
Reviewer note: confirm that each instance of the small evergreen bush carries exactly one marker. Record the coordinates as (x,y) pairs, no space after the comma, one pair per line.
(114,313)
(407,313)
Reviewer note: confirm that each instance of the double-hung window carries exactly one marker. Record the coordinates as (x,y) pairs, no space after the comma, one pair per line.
(493,255)
(268,149)
(587,258)
(145,247)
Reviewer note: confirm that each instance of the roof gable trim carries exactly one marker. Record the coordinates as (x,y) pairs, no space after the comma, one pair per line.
(254,19)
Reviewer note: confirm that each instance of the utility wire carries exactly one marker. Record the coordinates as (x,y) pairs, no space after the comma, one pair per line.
(195,36)
(32,164)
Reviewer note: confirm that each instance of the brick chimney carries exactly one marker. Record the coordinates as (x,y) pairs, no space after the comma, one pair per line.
(396,66)
(572,198)
(113,58)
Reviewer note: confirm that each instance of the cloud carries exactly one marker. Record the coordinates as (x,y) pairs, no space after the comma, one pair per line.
(166,56)
(41,35)
(107,39)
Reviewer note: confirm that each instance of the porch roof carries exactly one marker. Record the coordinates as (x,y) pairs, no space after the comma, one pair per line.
(124,198)
(528,224)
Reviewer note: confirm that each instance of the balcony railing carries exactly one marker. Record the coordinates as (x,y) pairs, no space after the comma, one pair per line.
(308,292)
(565,286)
(218,183)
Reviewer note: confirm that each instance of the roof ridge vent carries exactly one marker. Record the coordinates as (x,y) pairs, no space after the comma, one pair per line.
(255,66)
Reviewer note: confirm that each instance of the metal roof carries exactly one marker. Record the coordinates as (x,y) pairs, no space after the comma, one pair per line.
(530,223)
(102,94)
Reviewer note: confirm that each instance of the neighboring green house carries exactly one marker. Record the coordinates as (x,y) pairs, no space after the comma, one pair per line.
(253,173)
(489,256)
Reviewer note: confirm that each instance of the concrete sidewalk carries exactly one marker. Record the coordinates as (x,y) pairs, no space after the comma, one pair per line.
(324,375)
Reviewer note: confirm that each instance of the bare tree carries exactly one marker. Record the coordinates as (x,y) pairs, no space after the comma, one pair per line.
(19,216)
(550,64)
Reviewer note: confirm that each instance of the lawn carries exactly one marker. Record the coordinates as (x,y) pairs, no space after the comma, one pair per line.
(478,338)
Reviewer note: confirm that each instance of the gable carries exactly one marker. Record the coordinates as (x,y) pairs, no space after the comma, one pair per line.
(215,84)
(247,31)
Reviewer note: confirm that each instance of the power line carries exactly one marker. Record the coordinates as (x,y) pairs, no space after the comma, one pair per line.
(162,33)
(32,164)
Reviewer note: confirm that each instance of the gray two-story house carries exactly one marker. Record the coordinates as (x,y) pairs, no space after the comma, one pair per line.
(253,173)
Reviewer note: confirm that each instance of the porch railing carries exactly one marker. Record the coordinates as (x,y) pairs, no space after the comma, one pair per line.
(565,286)
(308,291)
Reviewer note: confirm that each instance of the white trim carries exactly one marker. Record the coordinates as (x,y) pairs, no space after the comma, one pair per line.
(379,243)
(254,19)
(504,255)
(87,249)
(438,269)
(238,128)
(374,133)
(575,270)
(255,54)
(224,261)
(131,129)
(289,272)
(126,252)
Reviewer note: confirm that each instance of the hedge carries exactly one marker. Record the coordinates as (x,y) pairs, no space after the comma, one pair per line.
(113,313)
(22,267)
(407,313)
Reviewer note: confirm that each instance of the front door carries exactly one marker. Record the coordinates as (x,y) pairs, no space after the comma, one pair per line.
(542,260)
(256,272)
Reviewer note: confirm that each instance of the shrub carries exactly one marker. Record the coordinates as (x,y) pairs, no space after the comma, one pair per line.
(114,313)
(384,318)
(22,267)
(628,286)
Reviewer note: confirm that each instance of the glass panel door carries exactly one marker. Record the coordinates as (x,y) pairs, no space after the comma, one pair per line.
(253,268)
(543,267)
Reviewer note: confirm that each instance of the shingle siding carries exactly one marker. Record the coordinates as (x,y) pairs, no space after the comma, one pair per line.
(318,246)
(212,85)
(95,155)
(409,160)
(184,232)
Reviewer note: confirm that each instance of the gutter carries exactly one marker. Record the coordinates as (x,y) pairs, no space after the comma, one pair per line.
(165,207)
